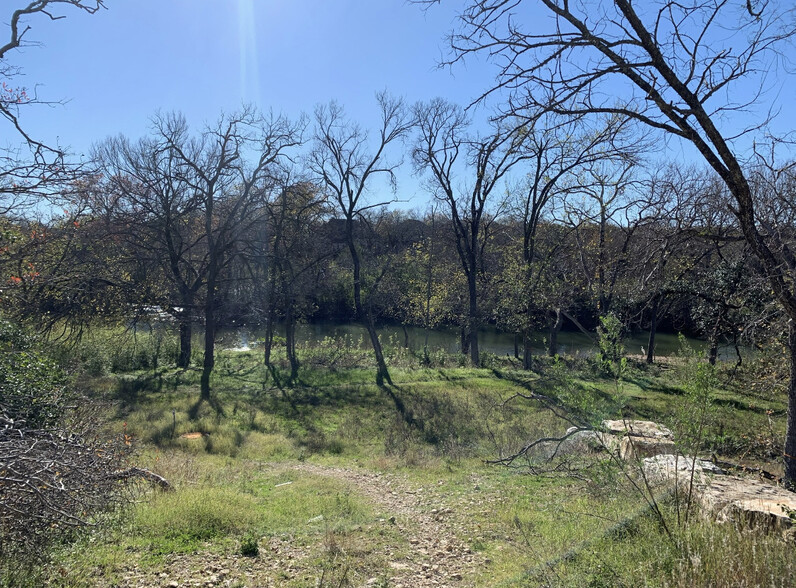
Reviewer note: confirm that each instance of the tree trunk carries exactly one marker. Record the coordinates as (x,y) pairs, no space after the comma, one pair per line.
(516,345)
(714,343)
(464,338)
(186,332)
(526,350)
(269,340)
(555,327)
(406,336)
(790,431)
(290,341)
(210,338)
(382,373)
(653,332)
(713,353)
(739,361)
(475,357)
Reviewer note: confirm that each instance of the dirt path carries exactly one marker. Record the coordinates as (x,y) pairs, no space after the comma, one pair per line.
(438,558)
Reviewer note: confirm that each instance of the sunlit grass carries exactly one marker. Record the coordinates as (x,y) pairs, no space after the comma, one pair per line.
(434,426)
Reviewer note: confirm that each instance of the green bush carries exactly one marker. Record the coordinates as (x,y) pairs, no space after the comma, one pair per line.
(249,545)
(31,383)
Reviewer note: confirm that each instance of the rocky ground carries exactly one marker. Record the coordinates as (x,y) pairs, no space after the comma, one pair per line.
(437,556)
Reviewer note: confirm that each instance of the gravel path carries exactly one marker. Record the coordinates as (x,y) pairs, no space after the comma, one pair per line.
(437,557)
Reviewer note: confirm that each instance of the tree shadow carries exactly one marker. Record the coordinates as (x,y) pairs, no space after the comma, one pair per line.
(407,415)
(212,402)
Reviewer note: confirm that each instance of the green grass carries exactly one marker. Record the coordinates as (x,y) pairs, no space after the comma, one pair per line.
(240,481)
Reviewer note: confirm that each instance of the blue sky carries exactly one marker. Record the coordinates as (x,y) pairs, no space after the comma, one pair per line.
(115,69)
(199,56)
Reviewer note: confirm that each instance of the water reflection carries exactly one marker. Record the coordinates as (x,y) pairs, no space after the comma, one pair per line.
(489,339)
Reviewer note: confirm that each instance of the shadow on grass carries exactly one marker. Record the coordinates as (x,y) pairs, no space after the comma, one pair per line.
(407,415)
(212,402)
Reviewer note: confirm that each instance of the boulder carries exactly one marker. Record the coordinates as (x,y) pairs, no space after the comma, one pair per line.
(664,468)
(631,447)
(745,500)
(646,429)
(637,439)
(580,441)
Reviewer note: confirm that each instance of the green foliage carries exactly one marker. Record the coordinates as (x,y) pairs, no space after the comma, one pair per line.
(249,545)
(612,349)
(695,411)
(588,404)
(102,351)
(32,387)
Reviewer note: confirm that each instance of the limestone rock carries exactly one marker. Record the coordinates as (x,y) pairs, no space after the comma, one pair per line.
(664,468)
(632,447)
(750,501)
(637,439)
(646,429)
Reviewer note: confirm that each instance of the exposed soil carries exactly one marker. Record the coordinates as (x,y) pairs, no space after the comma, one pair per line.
(438,557)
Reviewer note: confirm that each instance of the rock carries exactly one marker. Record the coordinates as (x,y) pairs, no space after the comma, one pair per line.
(637,439)
(667,467)
(637,429)
(632,447)
(580,441)
(753,502)
(749,501)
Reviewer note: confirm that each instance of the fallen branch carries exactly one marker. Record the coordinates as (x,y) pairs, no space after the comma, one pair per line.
(145,474)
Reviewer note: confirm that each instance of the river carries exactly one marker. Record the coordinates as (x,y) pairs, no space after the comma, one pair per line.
(489,339)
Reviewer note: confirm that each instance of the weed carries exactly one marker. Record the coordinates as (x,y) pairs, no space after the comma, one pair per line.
(249,545)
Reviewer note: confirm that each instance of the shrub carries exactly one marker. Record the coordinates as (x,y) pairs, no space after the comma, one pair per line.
(249,545)
(56,474)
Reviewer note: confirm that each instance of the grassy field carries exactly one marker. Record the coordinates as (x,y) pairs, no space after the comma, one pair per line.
(333,481)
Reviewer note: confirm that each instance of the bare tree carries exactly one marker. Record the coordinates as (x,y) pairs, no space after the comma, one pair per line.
(346,165)
(229,189)
(189,201)
(29,168)
(292,255)
(673,66)
(563,152)
(149,204)
(447,150)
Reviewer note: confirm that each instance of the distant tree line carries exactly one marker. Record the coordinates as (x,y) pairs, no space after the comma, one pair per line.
(262,221)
